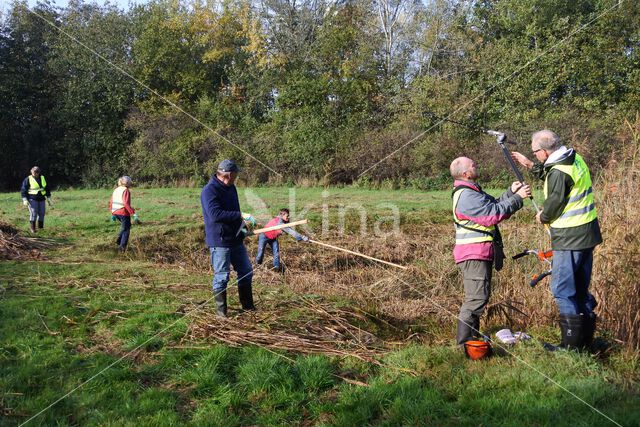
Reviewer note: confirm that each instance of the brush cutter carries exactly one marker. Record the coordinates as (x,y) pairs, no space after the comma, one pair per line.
(542,256)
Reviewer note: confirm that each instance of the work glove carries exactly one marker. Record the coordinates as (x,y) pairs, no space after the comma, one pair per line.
(136,220)
(113,218)
(25,202)
(249,218)
(49,202)
(305,238)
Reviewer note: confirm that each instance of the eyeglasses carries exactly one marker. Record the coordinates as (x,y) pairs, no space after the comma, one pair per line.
(535,151)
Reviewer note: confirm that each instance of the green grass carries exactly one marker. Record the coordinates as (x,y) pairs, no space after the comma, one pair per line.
(68,317)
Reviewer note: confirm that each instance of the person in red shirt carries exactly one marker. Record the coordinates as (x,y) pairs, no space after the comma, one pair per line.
(271,238)
(120,205)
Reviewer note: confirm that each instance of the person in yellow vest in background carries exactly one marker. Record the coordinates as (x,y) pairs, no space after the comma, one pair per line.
(121,210)
(34,192)
(476,215)
(569,209)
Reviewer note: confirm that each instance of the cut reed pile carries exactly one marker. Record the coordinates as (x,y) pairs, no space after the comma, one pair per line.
(15,246)
(303,325)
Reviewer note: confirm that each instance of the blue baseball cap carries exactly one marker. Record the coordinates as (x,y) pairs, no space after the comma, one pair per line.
(228,165)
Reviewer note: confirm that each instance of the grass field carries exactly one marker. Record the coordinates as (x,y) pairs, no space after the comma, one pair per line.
(130,340)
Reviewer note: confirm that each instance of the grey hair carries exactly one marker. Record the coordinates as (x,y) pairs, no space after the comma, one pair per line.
(35,169)
(125,180)
(547,140)
(458,167)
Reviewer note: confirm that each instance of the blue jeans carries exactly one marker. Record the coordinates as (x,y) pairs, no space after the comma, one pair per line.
(263,241)
(570,281)
(125,227)
(36,210)
(222,259)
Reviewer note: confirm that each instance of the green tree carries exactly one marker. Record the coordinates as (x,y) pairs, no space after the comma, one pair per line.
(95,98)
(28,92)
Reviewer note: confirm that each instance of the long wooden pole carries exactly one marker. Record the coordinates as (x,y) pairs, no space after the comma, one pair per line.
(277,227)
(358,254)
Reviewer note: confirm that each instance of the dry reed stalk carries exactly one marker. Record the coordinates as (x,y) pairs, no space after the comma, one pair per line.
(617,266)
(14,246)
(320,329)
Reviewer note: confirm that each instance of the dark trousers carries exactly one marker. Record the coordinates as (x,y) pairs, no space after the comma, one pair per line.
(125,227)
(263,242)
(476,276)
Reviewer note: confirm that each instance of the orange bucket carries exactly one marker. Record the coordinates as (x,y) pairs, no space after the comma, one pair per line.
(476,350)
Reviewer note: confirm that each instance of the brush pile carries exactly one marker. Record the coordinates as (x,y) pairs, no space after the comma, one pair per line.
(318,328)
(14,246)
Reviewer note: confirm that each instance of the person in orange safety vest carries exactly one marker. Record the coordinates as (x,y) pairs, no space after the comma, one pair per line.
(121,210)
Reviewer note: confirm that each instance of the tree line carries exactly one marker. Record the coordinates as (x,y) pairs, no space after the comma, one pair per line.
(317,90)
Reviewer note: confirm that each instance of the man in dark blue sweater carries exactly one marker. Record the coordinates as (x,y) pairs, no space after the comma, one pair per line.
(223,224)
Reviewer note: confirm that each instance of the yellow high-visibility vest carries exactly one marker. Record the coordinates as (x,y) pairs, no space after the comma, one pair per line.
(34,186)
(468,231)
(117,199)
(581,207)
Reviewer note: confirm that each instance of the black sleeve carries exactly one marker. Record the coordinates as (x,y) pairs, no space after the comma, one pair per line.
(559,185)
(47,193)
(537,171)
(24,190)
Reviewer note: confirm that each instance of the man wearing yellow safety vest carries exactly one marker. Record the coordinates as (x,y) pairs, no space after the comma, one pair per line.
(120,205)
(34,191)
(476,215)
(569,209)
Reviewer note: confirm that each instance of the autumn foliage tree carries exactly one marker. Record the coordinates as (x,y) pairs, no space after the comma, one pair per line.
(316,89)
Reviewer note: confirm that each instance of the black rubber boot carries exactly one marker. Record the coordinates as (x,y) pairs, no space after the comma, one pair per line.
(221,303)
(588,330)
(40,224)
(245,295)
(571,328)
(32,226)
(476,328)
(464,333)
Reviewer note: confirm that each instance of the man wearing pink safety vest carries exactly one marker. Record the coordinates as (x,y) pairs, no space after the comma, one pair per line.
(476,215)
(271,238)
